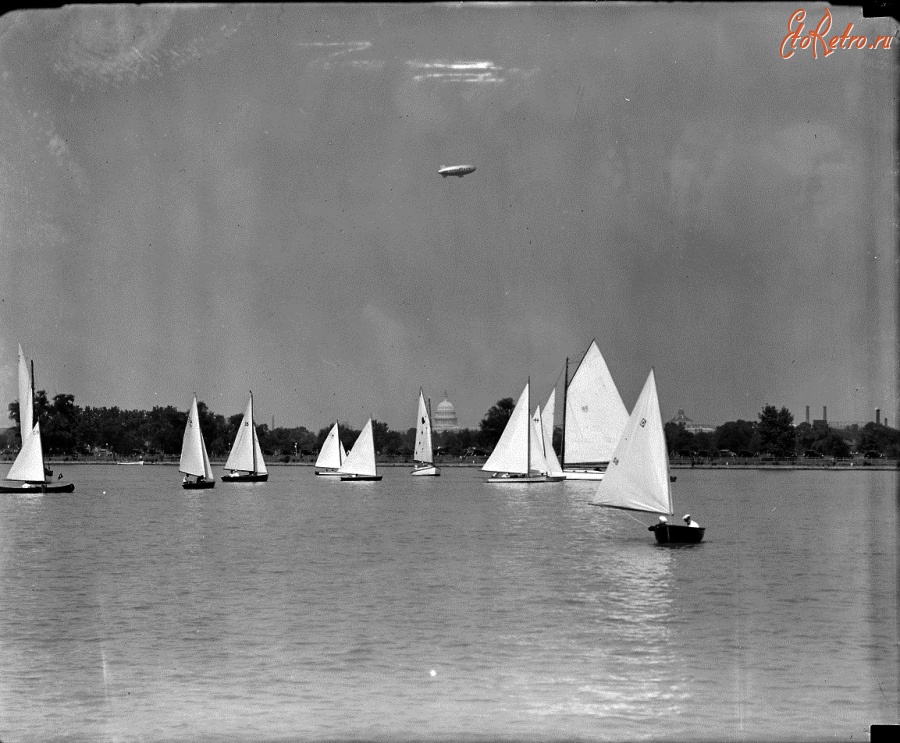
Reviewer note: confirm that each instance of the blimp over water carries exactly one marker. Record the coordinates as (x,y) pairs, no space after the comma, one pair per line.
(457,170)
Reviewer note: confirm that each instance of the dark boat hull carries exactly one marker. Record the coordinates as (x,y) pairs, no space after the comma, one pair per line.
(245,478)
(360,478)
(194,485)
(29,488)
(674,534)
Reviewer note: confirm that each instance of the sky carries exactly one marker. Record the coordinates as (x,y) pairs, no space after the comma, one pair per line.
(214,199)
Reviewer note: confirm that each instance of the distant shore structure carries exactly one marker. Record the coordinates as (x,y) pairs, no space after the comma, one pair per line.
(444,418)
(689,425)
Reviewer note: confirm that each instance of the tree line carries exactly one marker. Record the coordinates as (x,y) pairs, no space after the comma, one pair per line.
(69,430)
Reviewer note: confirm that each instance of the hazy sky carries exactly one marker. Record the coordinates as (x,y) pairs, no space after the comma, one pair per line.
(213,199)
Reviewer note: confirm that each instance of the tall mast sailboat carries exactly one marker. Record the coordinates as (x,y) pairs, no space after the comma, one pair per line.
(245,462)
(194,459)
(29,469)
(518,456)
(423,454)
(332,454)
(637,478)
(594,417)
(360,462)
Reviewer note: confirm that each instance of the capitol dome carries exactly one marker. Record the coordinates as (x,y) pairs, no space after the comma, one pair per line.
(444,418)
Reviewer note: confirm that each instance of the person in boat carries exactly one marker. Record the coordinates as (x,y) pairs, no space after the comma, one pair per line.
(690,522)
(662,523)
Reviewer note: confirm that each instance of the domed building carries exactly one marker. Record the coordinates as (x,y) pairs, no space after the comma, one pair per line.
(444,417)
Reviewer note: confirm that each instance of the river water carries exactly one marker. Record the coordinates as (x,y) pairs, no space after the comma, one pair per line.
(446,609)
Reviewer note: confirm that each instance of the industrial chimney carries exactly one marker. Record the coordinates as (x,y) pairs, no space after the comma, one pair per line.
(825,413)
(877,416)
(807,413)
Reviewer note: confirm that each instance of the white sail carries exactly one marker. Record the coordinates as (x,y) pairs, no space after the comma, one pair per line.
(332,454)
(553,466)
(26,399)
(637,478)
(595,414)
(246,456)
(29,465)
(423,451)
(194,459)
(538,458)
(511,454)
(361,459)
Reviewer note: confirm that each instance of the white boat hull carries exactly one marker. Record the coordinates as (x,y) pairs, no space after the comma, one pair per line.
(583,474)
(327,473)
(426,471)
(523,479)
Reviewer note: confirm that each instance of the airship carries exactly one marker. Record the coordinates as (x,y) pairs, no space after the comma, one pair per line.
(457,170)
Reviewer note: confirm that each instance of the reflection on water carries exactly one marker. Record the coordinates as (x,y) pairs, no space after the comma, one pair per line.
(307,609)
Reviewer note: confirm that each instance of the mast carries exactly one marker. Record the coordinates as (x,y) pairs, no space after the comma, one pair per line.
(562,446)
(340,446)
(528,429)
(252,432)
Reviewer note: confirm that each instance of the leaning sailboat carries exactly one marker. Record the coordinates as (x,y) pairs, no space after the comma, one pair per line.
(332,454)
(518,456)
(594,417)
(423,453)
(29,469)
(245,462)
(637,478)
(194,459)
(360,462)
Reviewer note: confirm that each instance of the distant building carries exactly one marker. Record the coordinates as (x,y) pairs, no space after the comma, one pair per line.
(444,417)
(689,425)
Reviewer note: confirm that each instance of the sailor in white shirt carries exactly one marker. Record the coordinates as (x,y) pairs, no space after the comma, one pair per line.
(690,522)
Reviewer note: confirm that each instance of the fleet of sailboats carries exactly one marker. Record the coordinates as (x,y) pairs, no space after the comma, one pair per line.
(637,478)
(626,453)
(332,455)
(423,452)
(360,462)
(29,469)
(194,459)
(245,461)
(594,417)
(519,455)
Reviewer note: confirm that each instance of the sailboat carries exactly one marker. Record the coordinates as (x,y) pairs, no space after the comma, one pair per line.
(28,469)
(637,478)
(518,456)
(594,417)
(360,462)
(544,427)
(423,454)
(194,459)
(332,455)
(245,462)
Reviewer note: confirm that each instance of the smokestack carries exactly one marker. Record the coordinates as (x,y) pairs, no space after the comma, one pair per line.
(825,413)
(877,416)
(807,413)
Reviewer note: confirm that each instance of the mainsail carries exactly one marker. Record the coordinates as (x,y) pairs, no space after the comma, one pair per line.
(423,451)
(29,464)
(361,459)
(246,456)
(545,421)
(26,399)
(332,454)
(637,478)
(194,459)
(595,415)
(511,454)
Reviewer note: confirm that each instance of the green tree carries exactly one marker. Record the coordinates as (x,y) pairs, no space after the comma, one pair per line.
(776,431)
(493,423)
(736,436)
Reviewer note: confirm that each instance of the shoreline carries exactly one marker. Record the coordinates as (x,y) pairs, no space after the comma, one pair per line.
(842,467)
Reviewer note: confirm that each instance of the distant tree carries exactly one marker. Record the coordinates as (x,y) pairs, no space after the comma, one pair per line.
(776,431)
(736,436)
(678,439)
(879,438)
(493,423)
